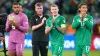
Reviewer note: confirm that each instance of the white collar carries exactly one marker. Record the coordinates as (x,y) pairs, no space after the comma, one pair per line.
(81,15)
(41,16)
(56,16)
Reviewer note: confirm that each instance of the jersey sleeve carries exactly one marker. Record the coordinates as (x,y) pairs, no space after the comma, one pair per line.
(89,22)
(7,25)
(60,21)
(25,25)
(75,23)
(32,21)
(63,22)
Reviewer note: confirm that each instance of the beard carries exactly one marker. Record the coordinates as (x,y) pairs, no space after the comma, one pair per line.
(16,12)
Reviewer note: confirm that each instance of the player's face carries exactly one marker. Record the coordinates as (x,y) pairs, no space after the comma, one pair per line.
(39,10)
(54,10)
(15,9)
(83,9)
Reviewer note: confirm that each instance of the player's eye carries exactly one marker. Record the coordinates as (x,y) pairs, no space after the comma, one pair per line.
(17,7)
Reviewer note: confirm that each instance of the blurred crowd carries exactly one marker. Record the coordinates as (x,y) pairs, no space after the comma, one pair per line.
(68,8)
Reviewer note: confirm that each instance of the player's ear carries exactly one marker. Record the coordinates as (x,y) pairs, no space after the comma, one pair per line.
(50,10)
(58,9)
(12,7)
(78,9)
(35,9)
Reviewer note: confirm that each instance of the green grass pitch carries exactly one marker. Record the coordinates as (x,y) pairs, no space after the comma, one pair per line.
(28,52)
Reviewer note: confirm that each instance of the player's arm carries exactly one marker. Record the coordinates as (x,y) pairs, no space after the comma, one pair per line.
(8,25)
(63,30)
(34,26)
(76,23)
(62,27)
(47,30)
(24,27)
(89,22)
(49,26)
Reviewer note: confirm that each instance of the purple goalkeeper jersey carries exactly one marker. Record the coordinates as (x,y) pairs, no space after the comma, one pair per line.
(18,35)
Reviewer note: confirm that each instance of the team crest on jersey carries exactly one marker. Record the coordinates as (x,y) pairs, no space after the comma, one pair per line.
(46,47)
(18,18)
(36,19)
(91,21)
(85,19)
(57,20)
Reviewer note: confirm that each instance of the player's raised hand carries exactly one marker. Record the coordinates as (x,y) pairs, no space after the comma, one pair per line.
(11,19)
(53,20)
(15,24)
(42,21)
(51,25)
(82,16)
(10,22)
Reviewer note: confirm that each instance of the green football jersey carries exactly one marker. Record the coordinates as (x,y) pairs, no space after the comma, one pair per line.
(83,29)
(56,35)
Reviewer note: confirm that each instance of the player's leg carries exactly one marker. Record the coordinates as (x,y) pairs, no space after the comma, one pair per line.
(44,48)
(52,48)
(58,49)
(86,50)
(11,48)
(61,51)
(35,48)
(78,50)
(19,49)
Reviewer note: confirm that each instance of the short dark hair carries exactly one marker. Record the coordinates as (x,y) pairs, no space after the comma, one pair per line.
(15,3)
(80,5)
(38,4)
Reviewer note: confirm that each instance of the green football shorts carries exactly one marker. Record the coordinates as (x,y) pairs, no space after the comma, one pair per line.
(57,49)
(82,49)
